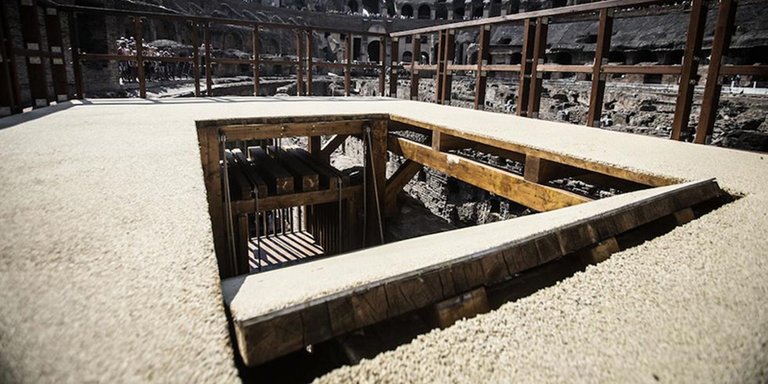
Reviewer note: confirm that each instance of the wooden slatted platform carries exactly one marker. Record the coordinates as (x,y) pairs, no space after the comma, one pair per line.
(269,252)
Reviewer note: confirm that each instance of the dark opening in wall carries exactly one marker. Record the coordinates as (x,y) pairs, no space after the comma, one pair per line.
(617,57)
(515,58)
(406,10)
(458,13)
(372,6)
(477,11)
(562,58)
(441,11)
(373,50)
(559,3)
(92,30)
(652,79)
(353,7)
(424,12)
(407,57)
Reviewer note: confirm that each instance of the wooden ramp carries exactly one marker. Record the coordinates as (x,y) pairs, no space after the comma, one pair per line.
(313,302)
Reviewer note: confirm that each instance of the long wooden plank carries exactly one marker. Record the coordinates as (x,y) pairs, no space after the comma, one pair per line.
(250,172)
(539,54)
(240,186)
(494,180)
(329,176)
(695,36)
(279,180)
(604,32)
(289,129)
(526,64)
(483,58)
(295,200)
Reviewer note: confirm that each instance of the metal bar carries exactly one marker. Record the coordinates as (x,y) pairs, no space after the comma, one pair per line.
(139,35)
(539,49)
(696,23)
(483,57)
(415,59)
(208,71)
(552,12)
(348,67)
(256,46)
(394,56)
(709,103)
(526,63)
(382,65)
(56,45)
(195,57)
(604,31)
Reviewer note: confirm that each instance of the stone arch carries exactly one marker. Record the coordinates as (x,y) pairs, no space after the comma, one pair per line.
(407,57)
(372,6)
(373,50)
(424,12)
(353,6)
(406,10)
(441,11)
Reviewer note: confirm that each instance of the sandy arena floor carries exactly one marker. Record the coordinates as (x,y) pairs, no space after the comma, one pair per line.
(107,271)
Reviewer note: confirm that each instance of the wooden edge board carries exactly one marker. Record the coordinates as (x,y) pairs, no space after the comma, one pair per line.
(304,177)
(295,200)
(265,337)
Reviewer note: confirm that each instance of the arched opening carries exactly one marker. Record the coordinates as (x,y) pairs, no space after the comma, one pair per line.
(424,12)
(441,11)
(559,3)
(495,8)
(477,11)
(516,58)
(372,6)
(373,51)
(166,30)
(424,58)
(391,11)
(233,40)
(458,9)
(353,7)
(407,57)
(406,10)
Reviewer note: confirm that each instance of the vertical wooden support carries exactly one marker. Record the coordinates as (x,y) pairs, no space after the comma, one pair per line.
(256,47)
(696,23)
(375,168)
(526,62)
(30,32)
(439,78)
(138,33)
(394,52)
(720,43)
(10,97)
(243,239)
(74,40)
(299,63)
(210,154)
(382,65)
(483,56)
(604,32)
(208,71)
(348,66)
(539,49)
(415,59)
(195,57)
(310,62)
(449,54)
(55,47)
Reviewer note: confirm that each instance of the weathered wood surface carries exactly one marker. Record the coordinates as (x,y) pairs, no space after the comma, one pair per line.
(279,180)
(305,179)
(269,335)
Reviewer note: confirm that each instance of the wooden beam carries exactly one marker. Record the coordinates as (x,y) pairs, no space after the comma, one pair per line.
(304,178)
(299,63)
(56,45)
(208,70)
(415,59)
(696,24)
(604,31)
(464,306)
(540,171)
(720,43)
(295,200)
(395,184)
(526,63)
(483,58)
(331,146)
(31,40)
(382,65)
(242,265)
(376,178)
(449,55)
(445,142)
(279,180)
(539,51)
(269,131)
(348,65)
(309,46)
(256,47)
(505,184)
(394,59)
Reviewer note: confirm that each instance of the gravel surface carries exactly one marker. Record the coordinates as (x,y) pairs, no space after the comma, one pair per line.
(107,271)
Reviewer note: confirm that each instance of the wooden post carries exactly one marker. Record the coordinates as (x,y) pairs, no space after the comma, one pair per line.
(138,32)
(393,68)
(348,66)
(483,56)
(208,71)
(256,47)
(9,82)
(440,67)
(310,62)
(242,264)
(299,63)
(56,48)
(211,156)
(526,62)
(449,54)
(604,31)
(539,49)
(415,59)
(375,168)
(696,23)
(74,40)
(382,65)
(30,32)
(720,43)
(195,57)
